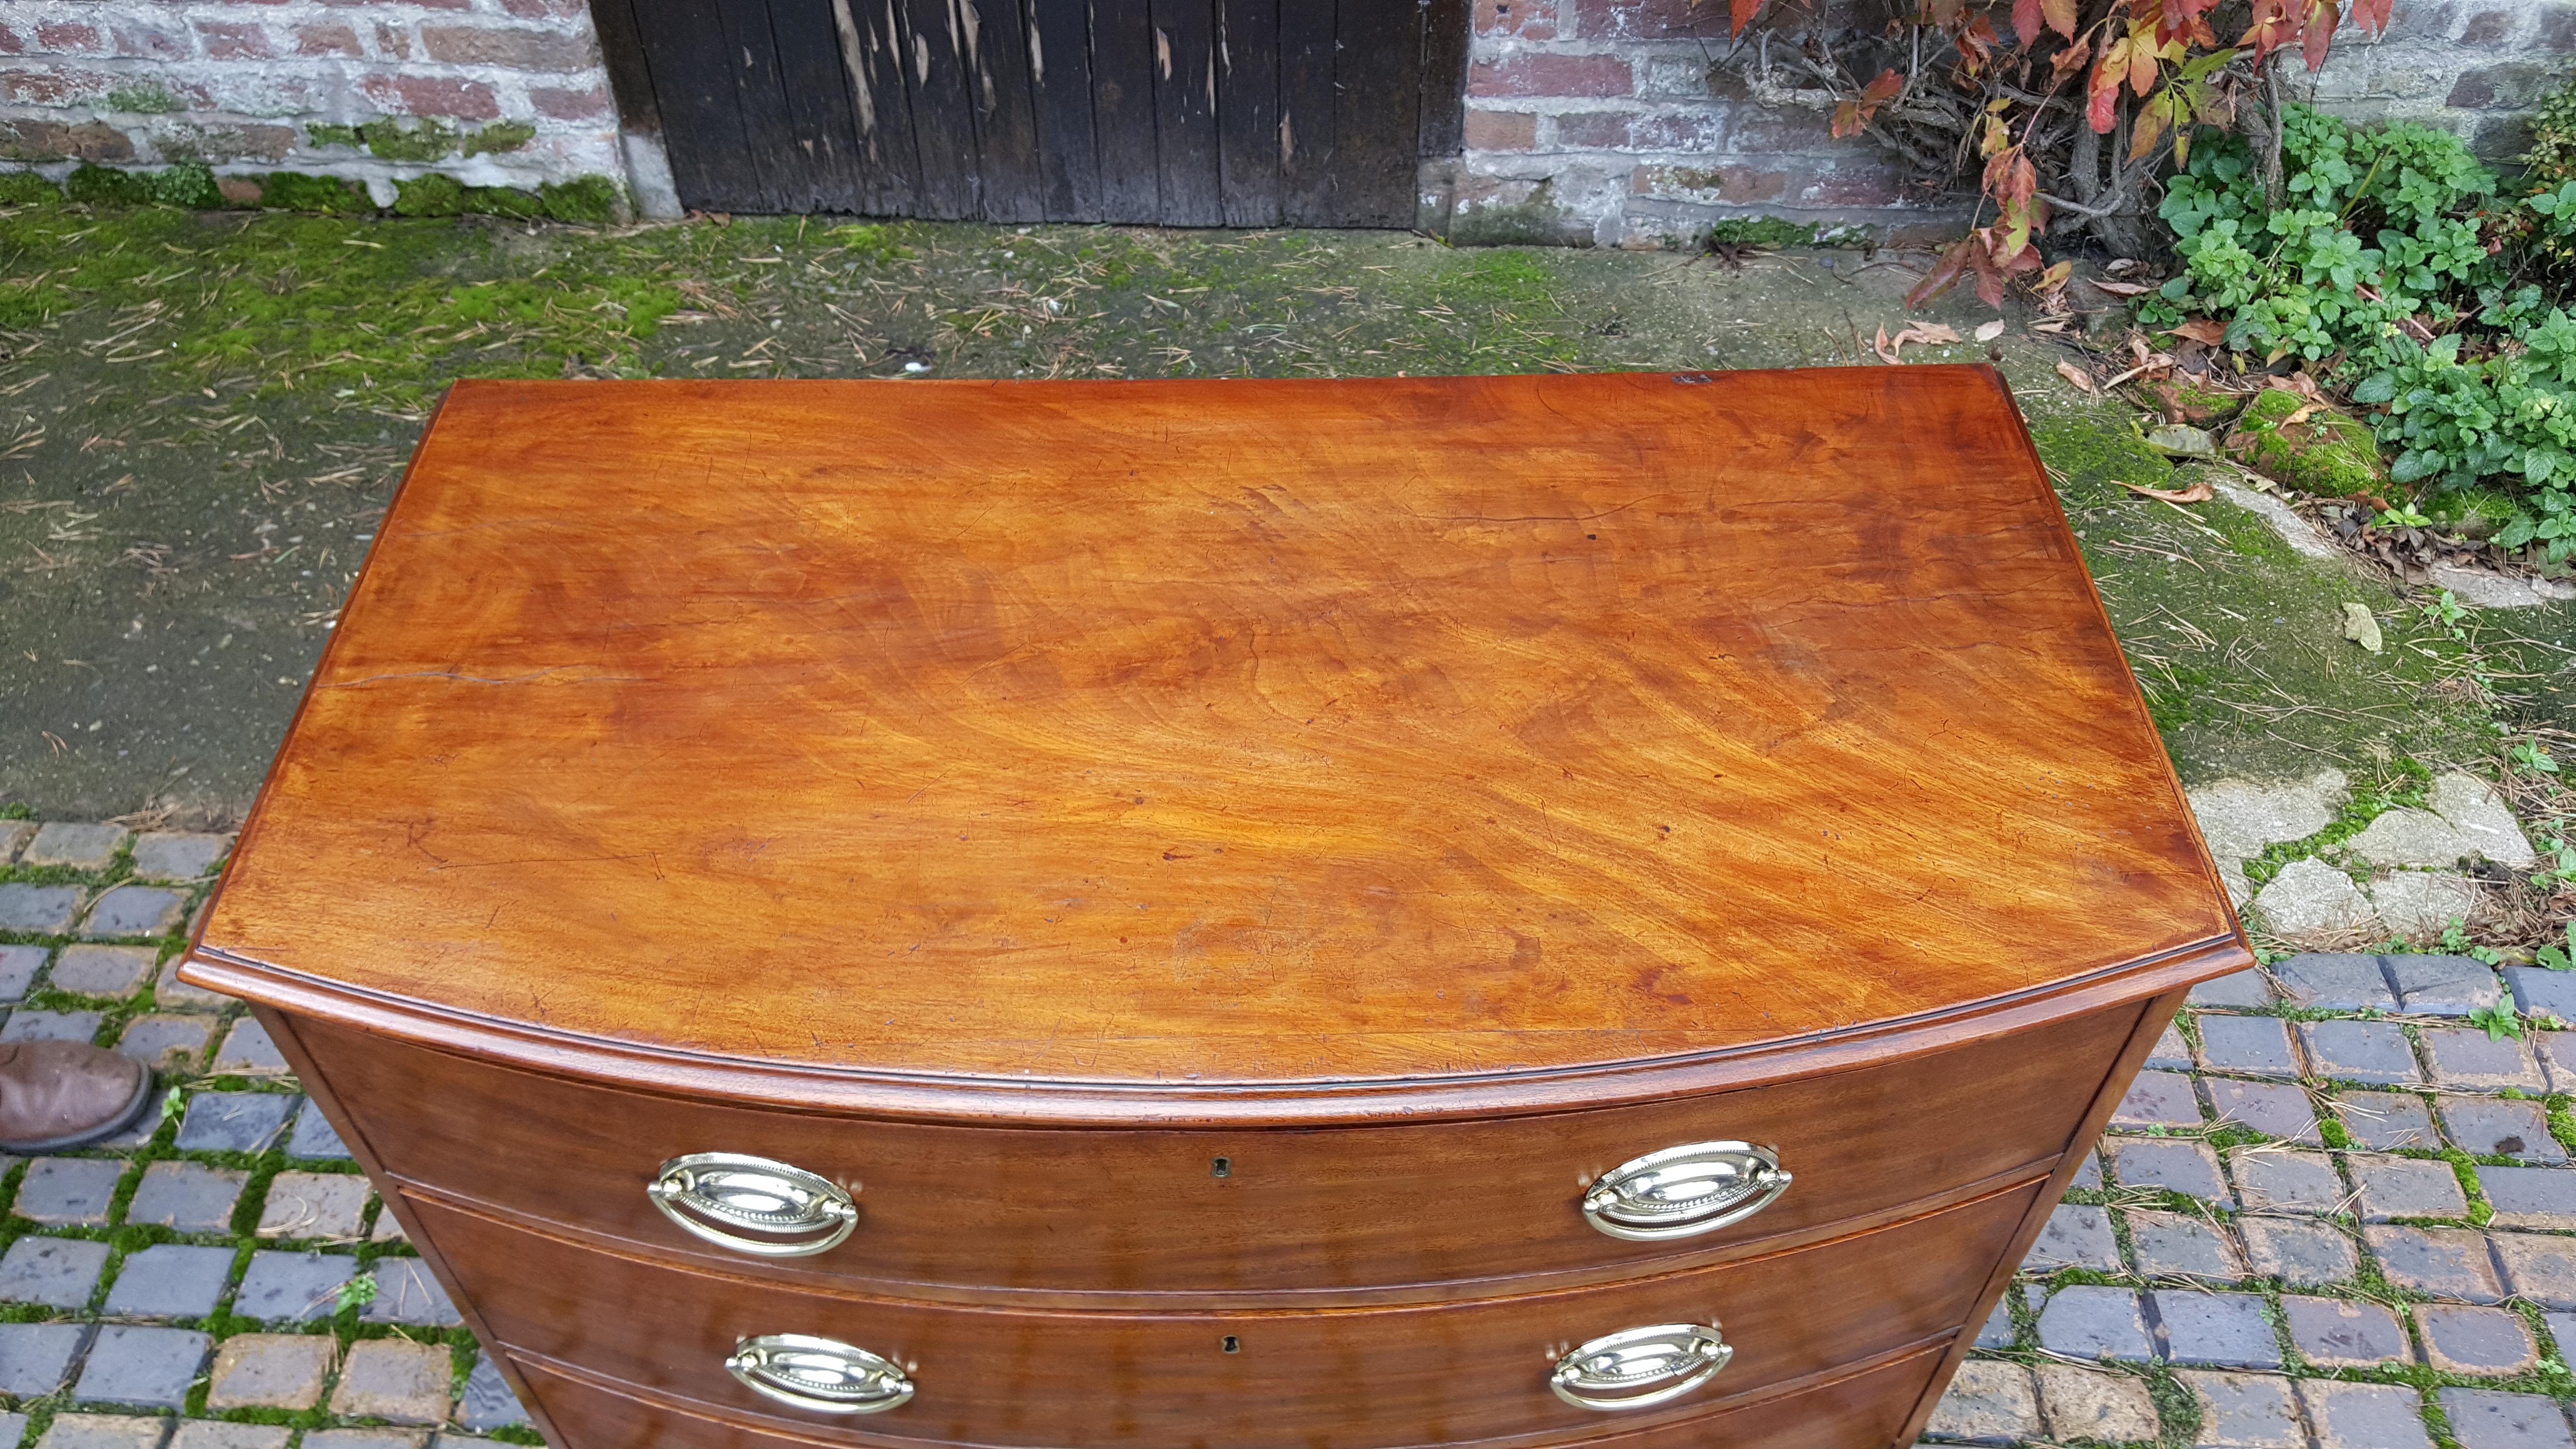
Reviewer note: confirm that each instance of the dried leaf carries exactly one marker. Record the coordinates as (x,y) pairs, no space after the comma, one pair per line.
(1991,330)
(2121,289)
(2182,440)
(2083,380)
(2200,492)
(2207,331)
(1885,352)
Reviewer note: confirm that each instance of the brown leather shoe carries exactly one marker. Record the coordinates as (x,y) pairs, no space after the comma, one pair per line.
(58,1094)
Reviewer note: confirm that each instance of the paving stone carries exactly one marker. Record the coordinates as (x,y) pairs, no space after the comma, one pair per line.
(2562,1331)
(2539,991)
(35,1358)
(2443,985)
(133,910)
(271,1371)
(2530,1197)
(170,993)
(14,835)
(72,1191)
(2088,1173)
(234,1121)
(396,1380)
(2500,1127)
(388,1228)
(167,1042)
(366,1439)
(2464,1059)
(2076,1236)
(2418,905)
(176,855)
(215,1434)
(2238,817)
(2492,1419)
(56,1272)
(2446,1262)
(325,1205)
(39,910)
(2342,1333)
(1990,1402)
(104,1431)
(2242,989)
(406,1293)
(2171,1052)
(314,1139)
(2538,1266)
(2361,1051)
(2158,1099)
(2093,1322)
(2364,1416)
(1998,1330)
(2189,1168)
(249,1052)
(2255,1045)
(2335,982)
(89,970)
(148,1367)
(2300,1254)
(2244,1411)
(2460,1339)
(187,1196)
(2082,1403)
(489,1404)
(80,1026)
(2226,1329)
(170,1280)
(2388,1120)
(292,1287)
(82,847)
(2270,1179)
(18,966)
(2406,1187)
(2174,1245)
(2404,837)
(2473,808)
(2311,898)
(2275,1110)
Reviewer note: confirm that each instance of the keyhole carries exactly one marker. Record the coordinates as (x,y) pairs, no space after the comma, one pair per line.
(1222,1167)
(1232,1344)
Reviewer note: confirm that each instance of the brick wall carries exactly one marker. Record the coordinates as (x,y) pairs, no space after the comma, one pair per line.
(493,92)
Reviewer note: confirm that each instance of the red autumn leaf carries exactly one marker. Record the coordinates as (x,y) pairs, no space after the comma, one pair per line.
(1740,14)
(2269,28)
(2371,15)
(2026,22)
(1883,89)
(1944,274)
(2207,331)
(2068,60)
(2318,34)
(2142,65)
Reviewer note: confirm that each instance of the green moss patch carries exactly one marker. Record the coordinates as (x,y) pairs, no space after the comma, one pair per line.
(2326,453)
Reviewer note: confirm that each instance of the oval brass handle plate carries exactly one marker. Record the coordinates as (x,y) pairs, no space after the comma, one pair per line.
(823,1375)
(1683,1191)
(1638,1368)
(724,1196)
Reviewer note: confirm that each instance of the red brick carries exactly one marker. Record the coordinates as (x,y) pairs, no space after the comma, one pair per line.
(545,9)
(1756,130)
(248,142)
(149,42)
(56,141)
(1649,19)
(49,85)
(393,40)
(10,43)
(569,105)
(1638,131)
(239,190)
(1528,19)
(70,39)
(230,40)
(1862,185)
(420,95)
(327,40)
(516,49)
(1550,75)
(1738,185)
(1501,130)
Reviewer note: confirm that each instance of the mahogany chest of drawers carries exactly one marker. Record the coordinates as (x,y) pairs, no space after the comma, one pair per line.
(1266,915)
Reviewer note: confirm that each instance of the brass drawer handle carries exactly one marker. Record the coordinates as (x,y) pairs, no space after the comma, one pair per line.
(821,1374)
(1621,1370)
(710,1192)
(1682,1191)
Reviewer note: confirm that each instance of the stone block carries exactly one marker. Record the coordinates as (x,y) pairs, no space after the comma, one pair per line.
(368,1439)
(104,1431)
(2388,1120)
(134,910)
(167,1041)
(55,1272)
(488,1402)
(2088,1173)
(292,1287)
(1990,1402)
(1996,1332)
(81,847)
(2225,1329)
(2310,898)
(144,1367)
(2170,1053)
(79,1026)
(2466,1059)
(175,855)
(2254,1045)
(2158,1099)
(170,1280)
(406,1293)
(2500,1127)
(2273,1109)
(1544,74)
(2406,837)
(2445,1262)
(14,835)
(2494,1419)
(234,1121)
(328,1206)
(18,966)
(2476,811)
(2443,985)
(216,1434)
(388,1228)
(2406,1187)
(2361,1051)
(2463,1339)
(68,1191)
(2272,1179)
(2244,1411)
(2364,1416)
(2173,1245)
(248,1052)
(2083,1403)
(187,1196)
(2531,1197)
(2539,1266)
(2344,1333)
(36,1358)
(2189,1168)
(2243,989)
(271,1371)
(314,1140)
(92,970)
(2300,1254)
(2539,991)
(2334,982)
(395,1380)
(2238,818)
(2076,1236)
(172,994)
(2090,1322)
(39,910)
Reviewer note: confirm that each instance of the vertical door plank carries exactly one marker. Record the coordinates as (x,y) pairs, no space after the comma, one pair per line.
(684,49)
(1444,77)
(1306,111)
(1059,37)
(777,163)
(1378,112)
(1247,110)
(1185,142)
(825,125)
(1006,128)
(1122,109)
(943,120)
(871,47)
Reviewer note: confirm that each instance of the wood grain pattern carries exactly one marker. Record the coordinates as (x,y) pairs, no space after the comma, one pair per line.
(1126,1218)
(1354,1379)
(1181,735)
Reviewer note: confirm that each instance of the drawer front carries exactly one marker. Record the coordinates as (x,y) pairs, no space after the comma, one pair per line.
(1864,1410)
(1354,1377)
(1287,1212)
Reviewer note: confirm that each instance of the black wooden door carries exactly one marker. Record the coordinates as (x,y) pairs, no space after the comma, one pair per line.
(1177,112)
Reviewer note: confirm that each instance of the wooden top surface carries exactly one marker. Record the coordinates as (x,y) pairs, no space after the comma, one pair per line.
(1259,732)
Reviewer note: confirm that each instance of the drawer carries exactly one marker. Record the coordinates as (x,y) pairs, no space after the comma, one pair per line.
(1104,1216)
(1355,1378)
(1861,1410)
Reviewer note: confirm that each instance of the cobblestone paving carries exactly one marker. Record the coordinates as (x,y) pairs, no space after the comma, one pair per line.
(222,1277)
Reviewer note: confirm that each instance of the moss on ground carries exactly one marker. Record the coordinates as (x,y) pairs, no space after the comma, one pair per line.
(2324,453)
